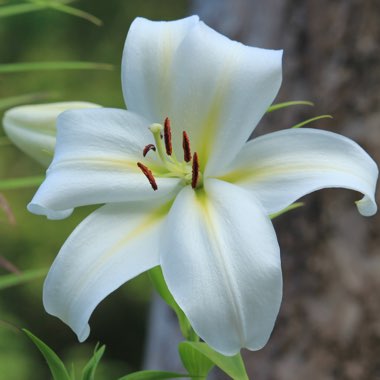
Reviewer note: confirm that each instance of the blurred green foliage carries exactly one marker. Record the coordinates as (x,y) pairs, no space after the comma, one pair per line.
(119,322)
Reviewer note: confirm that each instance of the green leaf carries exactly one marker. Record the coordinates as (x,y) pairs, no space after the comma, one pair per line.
(153,375)
(233,366)
(286,209)
(8,280)
(308,121)
(20,183)
(278,106)
(75,12)
(64,65)
(27,98)
(196,363)
(37,5)
(57,368)
(89,370)
(158,281)
(13,10)
(59,1)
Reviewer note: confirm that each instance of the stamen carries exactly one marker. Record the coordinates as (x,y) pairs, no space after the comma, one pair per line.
(148,174)
(186,147)
(168,137)
(148,148)
(195,171)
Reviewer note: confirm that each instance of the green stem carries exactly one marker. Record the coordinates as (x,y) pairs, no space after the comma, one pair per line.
(158,282)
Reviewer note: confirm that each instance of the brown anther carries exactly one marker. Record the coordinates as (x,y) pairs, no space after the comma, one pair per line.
(168,137)
(148,148)
(148,174)
(186,147)
(195,171)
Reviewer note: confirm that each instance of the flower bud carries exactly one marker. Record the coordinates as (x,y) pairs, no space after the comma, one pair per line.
(32,128)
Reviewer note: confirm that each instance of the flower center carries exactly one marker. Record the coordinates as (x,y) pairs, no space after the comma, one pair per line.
(188,169)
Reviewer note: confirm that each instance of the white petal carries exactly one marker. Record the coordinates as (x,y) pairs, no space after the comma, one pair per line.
(220,258)
(283,166)
(96,162)
(220,91)
(32,128)
(214,88)
(147,57)
(111,246)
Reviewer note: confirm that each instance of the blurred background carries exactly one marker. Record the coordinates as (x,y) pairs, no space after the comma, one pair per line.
(329,325)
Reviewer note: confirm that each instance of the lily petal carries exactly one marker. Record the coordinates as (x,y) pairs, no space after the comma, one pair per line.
(283,166)
(220,259)
(92,263)
(221,89)
(32,128)
(147,58)
(96,162)
(214,88)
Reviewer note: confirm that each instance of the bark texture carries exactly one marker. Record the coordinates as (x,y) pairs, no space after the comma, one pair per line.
(329,326)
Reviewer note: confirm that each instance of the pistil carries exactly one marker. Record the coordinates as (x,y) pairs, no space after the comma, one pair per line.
(156,130)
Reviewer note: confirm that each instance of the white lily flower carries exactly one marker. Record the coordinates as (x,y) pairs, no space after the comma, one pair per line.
(32,128)
(197,202)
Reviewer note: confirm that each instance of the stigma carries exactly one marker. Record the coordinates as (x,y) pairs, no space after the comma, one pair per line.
(188,169)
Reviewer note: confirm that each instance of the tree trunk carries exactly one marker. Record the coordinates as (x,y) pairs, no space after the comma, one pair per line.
(328,327)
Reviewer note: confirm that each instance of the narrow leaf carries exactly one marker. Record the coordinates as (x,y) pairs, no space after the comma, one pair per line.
(308,121)
(293,206)
(89,370)
(57,368)
(20,183)
(36,5)
(64,65)
(59,1)
(232,365)
(75,12)
(13,10)
(278,106)
(153,375)
(8,280)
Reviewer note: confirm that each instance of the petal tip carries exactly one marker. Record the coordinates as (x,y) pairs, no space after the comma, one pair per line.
(37,209)
(366,206)
(84,333)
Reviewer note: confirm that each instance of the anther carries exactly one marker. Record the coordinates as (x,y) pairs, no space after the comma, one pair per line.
(195,171)
(148,148)
(148,174)
(168,137)
(186,147)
